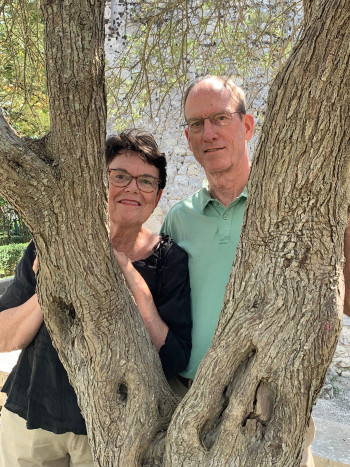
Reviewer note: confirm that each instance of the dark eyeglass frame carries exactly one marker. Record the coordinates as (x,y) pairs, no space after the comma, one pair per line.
(211,118)
(154,186)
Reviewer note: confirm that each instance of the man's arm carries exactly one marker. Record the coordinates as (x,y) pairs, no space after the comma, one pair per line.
(347,270)
(19,325)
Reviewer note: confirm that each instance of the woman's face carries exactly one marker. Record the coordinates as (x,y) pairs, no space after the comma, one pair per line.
(129,205)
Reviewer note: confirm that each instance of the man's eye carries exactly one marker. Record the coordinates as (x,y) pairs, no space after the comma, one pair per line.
(196,124)
(221,118)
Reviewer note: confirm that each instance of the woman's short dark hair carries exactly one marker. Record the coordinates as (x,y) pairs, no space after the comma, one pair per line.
(141,142)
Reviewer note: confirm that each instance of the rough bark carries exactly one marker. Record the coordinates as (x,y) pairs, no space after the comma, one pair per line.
(253,394)
(254,391)
(58,186)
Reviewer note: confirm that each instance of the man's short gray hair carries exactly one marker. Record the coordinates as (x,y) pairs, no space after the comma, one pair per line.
(237,92)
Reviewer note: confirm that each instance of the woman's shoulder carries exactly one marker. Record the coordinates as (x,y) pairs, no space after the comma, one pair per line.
(169,250)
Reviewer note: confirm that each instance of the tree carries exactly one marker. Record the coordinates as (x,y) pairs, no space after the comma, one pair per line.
(161,44)
(171,40)
(12,228)
(253,394)
(22,67)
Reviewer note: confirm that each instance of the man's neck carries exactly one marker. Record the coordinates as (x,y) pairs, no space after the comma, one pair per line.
(226,187)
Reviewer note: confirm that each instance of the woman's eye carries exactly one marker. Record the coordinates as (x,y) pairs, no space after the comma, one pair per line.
(120,177)
(146,181)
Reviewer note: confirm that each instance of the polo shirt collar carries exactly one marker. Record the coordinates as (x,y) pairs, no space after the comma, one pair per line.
(205,197)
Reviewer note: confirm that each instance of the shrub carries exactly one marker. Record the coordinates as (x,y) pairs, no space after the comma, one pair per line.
(9,257)
(5,240)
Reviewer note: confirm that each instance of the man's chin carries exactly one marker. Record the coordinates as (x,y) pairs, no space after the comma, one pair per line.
(215,168)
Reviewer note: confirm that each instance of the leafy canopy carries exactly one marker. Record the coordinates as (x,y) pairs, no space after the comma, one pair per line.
(159,48)
(23,95)
(165,45)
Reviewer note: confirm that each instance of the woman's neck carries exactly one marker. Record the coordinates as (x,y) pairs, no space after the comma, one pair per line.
(135,242)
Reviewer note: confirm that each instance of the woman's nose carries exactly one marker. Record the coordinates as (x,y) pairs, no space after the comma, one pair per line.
(132,186)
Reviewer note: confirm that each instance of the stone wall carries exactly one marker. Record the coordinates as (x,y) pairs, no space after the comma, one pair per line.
(185,176)
(338,375)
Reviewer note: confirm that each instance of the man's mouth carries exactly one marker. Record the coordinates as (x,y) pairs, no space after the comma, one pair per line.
(212,150)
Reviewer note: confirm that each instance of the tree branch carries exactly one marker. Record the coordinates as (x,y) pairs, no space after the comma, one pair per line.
(20,165)
(75,68)
(7,133)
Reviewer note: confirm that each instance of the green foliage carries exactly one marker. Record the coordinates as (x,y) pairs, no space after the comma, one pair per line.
(167,44)
(12,228)
(23,94)
(336,388)
(163,46)
(9,257)
(14,239)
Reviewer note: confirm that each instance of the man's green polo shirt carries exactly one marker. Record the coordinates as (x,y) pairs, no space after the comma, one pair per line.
(209,232)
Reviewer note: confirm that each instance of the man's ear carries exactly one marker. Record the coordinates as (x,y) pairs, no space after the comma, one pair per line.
(248,121)
(188,138)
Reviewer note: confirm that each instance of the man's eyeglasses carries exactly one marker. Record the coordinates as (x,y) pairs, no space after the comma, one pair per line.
(224,118)
(121,178)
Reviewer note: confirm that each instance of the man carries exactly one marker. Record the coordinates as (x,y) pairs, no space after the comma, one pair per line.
(207,224)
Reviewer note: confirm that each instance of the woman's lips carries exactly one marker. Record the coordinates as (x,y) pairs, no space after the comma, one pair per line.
(129,202)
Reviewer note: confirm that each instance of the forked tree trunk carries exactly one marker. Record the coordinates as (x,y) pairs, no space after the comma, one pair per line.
(253,394)
(254,391)
(58,185)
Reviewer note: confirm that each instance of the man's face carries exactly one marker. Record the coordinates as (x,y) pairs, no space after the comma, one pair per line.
(217,149)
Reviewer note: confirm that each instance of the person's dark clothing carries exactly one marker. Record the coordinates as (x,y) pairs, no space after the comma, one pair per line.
(38,389)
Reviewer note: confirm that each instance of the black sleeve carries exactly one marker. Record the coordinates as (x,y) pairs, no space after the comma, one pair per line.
(23,285)
(174,307)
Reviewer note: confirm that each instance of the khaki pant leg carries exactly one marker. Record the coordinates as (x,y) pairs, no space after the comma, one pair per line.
(80,451)
(308,460)
(178,387)
(20,447)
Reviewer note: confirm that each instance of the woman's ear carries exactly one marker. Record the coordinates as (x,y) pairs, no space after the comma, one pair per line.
(159,195)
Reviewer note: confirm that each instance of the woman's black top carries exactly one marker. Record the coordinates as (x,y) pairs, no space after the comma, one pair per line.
(38,389)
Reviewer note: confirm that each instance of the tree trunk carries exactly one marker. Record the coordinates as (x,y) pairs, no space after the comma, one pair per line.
(254,391)
(58,185)
(253,394)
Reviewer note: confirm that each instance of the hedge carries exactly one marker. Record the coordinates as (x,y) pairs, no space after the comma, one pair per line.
(9,257)
(5,240)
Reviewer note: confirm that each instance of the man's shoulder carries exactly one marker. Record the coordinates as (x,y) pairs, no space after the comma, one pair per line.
(188,204)
(179,220)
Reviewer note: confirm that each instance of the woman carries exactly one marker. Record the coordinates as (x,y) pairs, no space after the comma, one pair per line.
(41,423)
(154,267)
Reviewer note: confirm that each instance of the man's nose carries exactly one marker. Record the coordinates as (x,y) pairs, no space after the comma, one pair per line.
(209,130)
